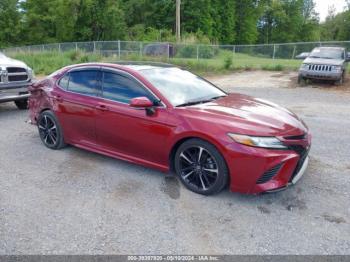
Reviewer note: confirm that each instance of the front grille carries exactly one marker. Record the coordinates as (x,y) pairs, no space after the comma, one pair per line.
(17,78)
(268,175)
(16,70)
(16,74)
(320,68)
(303,153)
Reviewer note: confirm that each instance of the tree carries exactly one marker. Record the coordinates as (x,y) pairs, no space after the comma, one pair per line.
(247,15)
(196,16)
(94,20)
(224,21)
(39,21)
(10,23)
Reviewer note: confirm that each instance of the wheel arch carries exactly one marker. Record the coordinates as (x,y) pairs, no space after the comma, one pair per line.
(187,137)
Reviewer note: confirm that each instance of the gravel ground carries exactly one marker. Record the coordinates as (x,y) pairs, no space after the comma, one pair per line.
(75,202)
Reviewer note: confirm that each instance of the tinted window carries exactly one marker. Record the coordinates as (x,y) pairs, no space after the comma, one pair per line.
(64,81)
(83,82)
(120,88)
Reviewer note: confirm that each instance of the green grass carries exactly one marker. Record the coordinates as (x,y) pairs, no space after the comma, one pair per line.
(45,63)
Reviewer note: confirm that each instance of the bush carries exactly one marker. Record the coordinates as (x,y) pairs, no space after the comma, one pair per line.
(277,67)
(47,62)
(190,51)
(207,52)
(228,62)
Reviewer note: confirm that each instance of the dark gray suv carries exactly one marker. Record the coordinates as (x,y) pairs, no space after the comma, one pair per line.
(328,63)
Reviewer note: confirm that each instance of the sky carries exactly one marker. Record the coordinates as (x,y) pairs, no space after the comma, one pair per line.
(322,7)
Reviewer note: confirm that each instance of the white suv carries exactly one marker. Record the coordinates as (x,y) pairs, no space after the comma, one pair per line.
(15,77)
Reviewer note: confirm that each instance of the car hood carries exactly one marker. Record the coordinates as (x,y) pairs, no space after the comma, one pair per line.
(7,62)
(321,61)
(247,115)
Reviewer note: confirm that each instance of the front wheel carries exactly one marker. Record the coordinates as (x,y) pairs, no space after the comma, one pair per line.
(340,81)
(22,104)
(302,80)
(200,167)
(50,130)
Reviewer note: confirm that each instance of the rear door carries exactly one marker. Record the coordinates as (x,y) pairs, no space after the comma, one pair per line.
(125,130)
(76,102)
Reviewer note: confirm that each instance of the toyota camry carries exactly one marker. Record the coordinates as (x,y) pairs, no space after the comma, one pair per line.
(167,118)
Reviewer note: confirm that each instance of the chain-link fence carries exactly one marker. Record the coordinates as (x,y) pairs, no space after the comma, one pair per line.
(135,50)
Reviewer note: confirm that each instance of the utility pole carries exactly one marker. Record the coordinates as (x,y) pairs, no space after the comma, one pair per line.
(178,21)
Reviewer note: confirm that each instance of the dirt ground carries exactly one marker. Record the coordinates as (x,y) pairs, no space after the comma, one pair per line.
(263,79)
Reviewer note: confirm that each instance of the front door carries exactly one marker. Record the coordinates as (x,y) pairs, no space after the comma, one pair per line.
(126,130)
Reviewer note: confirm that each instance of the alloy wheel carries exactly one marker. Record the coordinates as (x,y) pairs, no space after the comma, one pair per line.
(48,130)
(198,168)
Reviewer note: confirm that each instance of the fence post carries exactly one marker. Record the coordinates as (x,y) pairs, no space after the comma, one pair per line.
(59,48)
(94,47)
(168,51)
(76,47)
(295,47)
(43,48)
(274,51)
(141,49)
(234,49)
(119,49)
(197,52)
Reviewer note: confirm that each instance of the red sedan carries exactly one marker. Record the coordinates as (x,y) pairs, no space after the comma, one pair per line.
(167,118)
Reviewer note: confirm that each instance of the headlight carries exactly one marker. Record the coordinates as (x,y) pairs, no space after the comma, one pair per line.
(265,142)
(337,68)
(304,66)
(31,73)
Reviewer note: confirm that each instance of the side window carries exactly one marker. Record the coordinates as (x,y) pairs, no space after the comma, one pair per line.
(64,81)
(120,88)
(84,82)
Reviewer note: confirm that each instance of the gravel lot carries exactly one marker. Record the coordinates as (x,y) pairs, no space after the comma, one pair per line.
(73,202)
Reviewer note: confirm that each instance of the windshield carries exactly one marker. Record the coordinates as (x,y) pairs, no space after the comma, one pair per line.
(181,87)
(327,53)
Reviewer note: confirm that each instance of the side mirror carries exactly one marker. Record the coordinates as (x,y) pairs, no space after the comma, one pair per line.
(141,102)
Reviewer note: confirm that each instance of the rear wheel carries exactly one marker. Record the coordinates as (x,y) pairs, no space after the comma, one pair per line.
(201,167)
(50,131)
(22,104)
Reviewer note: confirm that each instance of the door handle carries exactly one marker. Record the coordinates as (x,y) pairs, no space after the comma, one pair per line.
(102,107)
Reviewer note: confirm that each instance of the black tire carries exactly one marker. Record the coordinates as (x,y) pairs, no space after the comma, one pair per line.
(200,167)
(302,80)
(22,104)
(340,81)
(50,131)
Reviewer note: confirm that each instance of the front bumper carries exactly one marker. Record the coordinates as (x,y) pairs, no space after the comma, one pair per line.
(248,165)
(13,93)
(320,74)
(296,178)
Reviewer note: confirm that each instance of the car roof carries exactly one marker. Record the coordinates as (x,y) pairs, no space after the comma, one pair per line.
(331,48)
(126,65)
(139,66)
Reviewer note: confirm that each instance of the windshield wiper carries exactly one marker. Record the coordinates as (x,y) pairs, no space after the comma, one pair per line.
(202,101)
